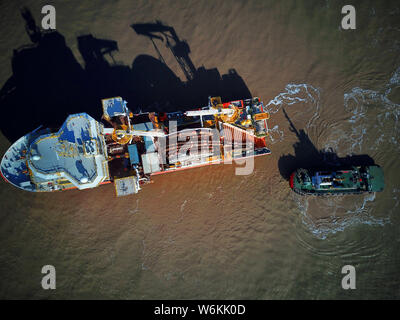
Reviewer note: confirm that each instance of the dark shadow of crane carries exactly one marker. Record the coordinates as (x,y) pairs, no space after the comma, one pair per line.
(200,83)
(179,48)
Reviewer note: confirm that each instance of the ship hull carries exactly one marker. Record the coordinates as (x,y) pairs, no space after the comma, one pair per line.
(127,149)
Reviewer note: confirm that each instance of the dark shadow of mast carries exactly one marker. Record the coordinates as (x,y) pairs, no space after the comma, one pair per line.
(31,28)
(306,155)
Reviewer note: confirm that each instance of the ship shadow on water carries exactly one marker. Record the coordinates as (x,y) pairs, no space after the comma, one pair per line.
(48,83)
(161,89)
(307,156)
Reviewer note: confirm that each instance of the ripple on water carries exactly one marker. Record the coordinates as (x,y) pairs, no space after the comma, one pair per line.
(339,213)
(373,112)
(294,94)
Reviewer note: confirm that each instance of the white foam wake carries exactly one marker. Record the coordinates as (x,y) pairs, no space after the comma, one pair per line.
(322,228)
(293,94)
(364,102)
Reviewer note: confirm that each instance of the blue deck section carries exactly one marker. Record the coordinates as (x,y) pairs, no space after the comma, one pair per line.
(70,150)
(148,141)
(149,144)
(114,107)
(133,154)
(14,171)
(146,126)
(13,164)
(67,135)
(318,178)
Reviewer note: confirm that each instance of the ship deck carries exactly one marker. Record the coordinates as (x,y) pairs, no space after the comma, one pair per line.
(75,153)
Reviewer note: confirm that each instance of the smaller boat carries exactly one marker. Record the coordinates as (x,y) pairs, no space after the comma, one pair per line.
(355,180)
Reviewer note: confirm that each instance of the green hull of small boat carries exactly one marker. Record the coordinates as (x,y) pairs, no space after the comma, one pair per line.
(354,180)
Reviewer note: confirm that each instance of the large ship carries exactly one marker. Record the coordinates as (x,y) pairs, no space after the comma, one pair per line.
(127,149)
(354,180)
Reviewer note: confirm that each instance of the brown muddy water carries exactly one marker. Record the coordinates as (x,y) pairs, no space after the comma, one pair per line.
(207,233)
